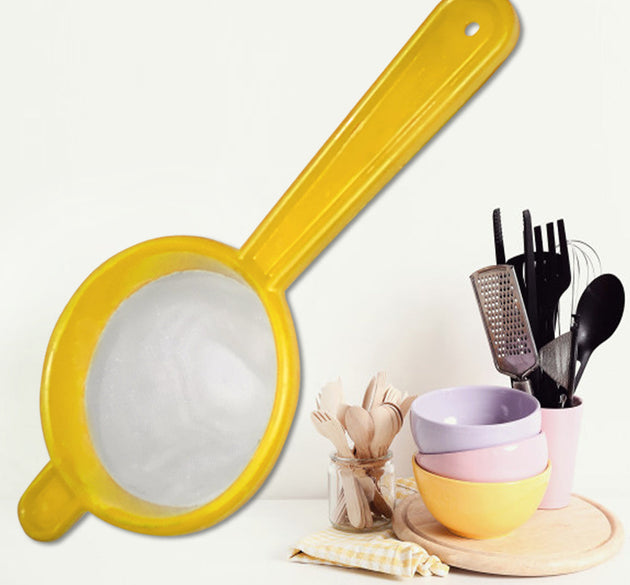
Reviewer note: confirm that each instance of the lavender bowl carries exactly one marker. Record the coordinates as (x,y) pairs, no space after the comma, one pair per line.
(473,417)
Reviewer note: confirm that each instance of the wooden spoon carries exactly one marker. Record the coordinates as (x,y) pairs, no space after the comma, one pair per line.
(368,397)
(380,504)
(331,428)
(330,400)
(387,423)
(405,405)
(393,395)
(330,397)
(399,415)
(381,415)
(360,427)
(379,391)
(366,513)
(340,508)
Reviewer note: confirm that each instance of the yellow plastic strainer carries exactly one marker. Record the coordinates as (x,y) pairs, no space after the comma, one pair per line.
(451,55)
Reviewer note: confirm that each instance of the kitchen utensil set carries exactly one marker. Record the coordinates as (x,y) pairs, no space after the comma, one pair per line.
(371,428)
(519,301)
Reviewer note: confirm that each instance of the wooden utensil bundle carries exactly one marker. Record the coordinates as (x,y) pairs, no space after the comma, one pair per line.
(360,498)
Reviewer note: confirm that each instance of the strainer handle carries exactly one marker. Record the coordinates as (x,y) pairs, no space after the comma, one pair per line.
(48,508)
(443,64)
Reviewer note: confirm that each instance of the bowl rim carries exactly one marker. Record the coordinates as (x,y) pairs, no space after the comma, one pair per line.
(526,397)
(538,437)
(531,478)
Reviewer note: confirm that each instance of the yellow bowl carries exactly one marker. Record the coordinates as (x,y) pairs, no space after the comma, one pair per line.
(480,510)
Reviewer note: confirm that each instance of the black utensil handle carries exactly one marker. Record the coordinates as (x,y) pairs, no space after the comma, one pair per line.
(551,244)
(564,249)
(549,392)
(538,241)
(530,274)
(573,379)
(517,262)
(499,249)
(578,376)
(545,316)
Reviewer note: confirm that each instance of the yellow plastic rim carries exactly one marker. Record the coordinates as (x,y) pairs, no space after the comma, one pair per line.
(72,344)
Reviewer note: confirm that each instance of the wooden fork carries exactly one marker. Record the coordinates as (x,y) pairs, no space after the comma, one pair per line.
(331,428)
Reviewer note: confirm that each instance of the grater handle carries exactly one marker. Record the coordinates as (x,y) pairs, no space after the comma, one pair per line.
(524,385)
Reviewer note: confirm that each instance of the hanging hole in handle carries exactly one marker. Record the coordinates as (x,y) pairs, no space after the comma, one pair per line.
(471,29)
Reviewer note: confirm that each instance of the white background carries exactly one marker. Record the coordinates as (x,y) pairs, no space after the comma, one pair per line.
(126,120)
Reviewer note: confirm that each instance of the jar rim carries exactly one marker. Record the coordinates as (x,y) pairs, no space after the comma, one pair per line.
(336,458)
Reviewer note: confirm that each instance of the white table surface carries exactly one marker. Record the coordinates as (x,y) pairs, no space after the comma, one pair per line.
(250,547)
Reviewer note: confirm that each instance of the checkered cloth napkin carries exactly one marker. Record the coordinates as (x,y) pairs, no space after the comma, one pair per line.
(375,551)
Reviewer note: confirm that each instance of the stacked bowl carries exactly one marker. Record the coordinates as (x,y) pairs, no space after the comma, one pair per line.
(482,465)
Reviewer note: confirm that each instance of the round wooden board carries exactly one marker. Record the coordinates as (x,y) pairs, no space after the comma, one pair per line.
(551,542)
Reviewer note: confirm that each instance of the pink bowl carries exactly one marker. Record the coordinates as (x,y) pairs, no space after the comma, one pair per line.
(501,463)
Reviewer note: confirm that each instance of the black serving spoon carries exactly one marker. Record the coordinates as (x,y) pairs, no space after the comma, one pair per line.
(599,311)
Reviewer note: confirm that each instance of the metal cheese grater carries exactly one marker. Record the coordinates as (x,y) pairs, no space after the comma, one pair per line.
(506,323)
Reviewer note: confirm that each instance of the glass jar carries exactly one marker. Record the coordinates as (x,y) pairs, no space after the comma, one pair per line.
(361,492)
